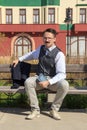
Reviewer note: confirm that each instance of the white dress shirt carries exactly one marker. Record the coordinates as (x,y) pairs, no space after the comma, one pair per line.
(59,63)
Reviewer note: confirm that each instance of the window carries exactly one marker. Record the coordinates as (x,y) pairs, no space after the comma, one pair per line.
(36,16)
(51,15)
(77,46)
(22,46)
(8,16)
(82,15)
(22,16)
(73,46)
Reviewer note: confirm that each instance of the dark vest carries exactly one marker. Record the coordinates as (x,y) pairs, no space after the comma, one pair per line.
(46,63)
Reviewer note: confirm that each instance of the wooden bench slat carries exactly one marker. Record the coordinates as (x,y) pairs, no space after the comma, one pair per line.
(76,68)
(70,68)
(7,89)
(72,90)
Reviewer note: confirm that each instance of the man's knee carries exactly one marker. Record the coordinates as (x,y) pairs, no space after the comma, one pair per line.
(30,82)
(64,85)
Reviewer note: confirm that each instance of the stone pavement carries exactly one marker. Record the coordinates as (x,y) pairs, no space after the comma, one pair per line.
(14,118)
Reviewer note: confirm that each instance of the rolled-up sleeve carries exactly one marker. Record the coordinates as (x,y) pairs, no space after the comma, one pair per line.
(31,55)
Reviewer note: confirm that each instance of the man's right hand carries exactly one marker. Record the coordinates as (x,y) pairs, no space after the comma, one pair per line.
(15,62)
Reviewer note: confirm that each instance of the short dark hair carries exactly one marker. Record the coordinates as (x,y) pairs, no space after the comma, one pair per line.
(50,30)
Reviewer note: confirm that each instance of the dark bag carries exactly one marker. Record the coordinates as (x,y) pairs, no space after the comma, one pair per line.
(20,73)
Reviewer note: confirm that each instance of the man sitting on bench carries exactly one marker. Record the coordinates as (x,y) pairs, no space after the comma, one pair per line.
(51,74)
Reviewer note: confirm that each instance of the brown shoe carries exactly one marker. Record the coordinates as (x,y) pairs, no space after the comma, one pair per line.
(54,114)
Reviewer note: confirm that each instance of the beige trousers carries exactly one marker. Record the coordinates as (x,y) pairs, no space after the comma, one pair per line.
(31,86)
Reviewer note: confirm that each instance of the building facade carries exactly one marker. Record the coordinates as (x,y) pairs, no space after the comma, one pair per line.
(22,23)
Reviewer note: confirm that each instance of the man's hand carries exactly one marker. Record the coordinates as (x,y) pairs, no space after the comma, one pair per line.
(44,84)
(15,62)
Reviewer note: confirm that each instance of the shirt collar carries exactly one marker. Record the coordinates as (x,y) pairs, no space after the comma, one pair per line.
(51,48)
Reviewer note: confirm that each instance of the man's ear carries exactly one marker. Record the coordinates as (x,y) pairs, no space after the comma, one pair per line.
(55,39)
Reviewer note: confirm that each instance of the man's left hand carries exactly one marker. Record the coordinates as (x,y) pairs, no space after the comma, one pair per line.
(44,84)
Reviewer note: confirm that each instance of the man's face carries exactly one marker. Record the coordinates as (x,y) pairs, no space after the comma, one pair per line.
(49,39)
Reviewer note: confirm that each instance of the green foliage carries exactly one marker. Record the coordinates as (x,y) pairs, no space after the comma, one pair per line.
(17,100)
(42,99)
(75,101)
(5,83)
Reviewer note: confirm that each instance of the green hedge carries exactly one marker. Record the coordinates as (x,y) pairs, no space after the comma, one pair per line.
(75,101)
(20,100)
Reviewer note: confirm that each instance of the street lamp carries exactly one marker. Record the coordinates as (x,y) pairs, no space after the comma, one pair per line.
(68,20)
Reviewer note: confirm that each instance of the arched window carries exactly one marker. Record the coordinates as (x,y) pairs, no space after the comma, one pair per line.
(22,46)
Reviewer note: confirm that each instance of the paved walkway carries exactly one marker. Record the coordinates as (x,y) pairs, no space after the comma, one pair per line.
(14,118)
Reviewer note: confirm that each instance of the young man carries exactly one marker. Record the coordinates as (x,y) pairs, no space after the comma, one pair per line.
(52,66)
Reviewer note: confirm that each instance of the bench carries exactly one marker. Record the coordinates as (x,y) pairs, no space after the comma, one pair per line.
(74,72)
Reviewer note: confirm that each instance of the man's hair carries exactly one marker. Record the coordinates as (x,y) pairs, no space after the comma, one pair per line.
(50,30)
